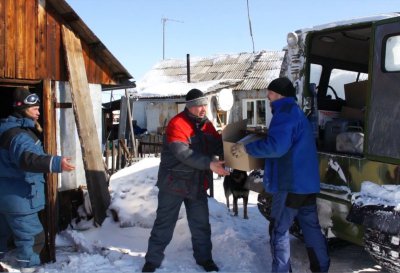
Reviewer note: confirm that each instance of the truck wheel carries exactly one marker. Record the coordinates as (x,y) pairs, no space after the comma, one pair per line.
(384,248)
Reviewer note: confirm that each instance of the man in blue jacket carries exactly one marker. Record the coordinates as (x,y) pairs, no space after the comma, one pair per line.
(291,175)
(22,164)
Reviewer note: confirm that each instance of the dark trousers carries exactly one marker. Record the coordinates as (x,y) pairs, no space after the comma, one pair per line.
(283,212)
(164,225)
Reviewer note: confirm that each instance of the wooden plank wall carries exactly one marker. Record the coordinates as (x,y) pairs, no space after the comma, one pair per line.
(31,46)
(2,37)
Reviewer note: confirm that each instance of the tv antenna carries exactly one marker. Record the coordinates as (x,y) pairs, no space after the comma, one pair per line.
(164,21)
(251,31)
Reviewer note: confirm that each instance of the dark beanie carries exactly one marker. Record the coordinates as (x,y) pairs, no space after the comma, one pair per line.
(19,95)
(195,98)
(282,86)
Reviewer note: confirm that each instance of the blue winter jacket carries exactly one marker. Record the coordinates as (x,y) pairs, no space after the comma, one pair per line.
(22,164)
(291,163)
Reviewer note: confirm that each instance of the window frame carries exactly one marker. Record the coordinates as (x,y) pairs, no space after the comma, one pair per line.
(391,61)
(254,121)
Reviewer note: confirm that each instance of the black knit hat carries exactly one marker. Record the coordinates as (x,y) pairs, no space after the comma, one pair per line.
(195,98)
(21,100)
(282,86)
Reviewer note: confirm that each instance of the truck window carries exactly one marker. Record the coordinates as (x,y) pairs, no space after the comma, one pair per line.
(337,80)
(341,77)
(392,54)
(315,73)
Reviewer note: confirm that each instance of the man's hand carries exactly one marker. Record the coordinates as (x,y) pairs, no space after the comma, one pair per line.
(66,165)
(218,168)
(238,150)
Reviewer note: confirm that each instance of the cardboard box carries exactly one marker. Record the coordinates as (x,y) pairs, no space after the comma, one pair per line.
(356,94)
(352,113)
(233,133)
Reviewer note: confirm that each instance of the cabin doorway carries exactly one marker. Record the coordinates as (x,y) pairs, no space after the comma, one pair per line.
(6,98)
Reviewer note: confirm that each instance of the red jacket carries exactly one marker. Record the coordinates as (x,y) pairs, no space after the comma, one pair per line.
(189,146)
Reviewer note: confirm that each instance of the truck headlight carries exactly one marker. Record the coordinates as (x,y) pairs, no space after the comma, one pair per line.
(292,39)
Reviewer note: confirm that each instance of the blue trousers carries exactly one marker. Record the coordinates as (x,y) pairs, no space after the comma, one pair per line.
(27,233)
(164,225)
(282,219)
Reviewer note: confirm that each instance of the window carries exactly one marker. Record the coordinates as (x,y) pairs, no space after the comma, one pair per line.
(255,111)
(341,77)
(337,80)
(392,54)
(315,73)
(221,117)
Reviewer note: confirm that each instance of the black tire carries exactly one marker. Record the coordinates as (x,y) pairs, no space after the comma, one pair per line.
(384,248)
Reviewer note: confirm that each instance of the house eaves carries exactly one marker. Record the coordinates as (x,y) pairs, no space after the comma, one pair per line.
(86,34)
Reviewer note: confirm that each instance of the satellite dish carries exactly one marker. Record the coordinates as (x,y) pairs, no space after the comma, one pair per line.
(225,99)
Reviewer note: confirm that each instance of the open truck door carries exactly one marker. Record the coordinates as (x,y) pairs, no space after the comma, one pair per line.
(383,115)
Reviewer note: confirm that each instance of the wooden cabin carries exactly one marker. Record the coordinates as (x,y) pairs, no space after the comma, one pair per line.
(34,52)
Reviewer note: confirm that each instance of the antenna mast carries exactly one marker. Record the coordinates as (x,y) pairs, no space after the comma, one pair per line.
(251,31)
(164,21)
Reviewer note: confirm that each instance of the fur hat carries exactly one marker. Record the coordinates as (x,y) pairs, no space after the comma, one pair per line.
(195,98)
(20,96)
(282,86)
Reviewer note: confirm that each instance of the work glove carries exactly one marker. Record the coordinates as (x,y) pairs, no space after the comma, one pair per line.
(238,150)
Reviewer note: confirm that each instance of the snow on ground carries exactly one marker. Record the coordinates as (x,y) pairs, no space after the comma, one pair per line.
(239,245)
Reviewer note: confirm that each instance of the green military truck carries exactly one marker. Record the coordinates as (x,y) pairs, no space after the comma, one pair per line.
(347,76)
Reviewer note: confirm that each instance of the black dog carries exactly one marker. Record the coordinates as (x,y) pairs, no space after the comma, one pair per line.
(234,184)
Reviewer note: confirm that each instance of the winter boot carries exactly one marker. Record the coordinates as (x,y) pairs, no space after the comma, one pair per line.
(209,266)
(149,267)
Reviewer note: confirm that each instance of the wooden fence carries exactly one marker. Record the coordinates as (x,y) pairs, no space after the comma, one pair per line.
(118,154)
(150,145)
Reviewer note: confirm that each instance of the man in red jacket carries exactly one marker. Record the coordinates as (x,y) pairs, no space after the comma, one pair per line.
(190,144)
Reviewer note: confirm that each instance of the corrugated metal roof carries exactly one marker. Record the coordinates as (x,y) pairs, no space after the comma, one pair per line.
(253,71)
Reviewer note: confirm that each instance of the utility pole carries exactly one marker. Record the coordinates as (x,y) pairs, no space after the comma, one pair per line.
(164,21)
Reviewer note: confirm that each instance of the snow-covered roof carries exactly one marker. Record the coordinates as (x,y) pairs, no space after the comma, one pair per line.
(241,71)
(353,21)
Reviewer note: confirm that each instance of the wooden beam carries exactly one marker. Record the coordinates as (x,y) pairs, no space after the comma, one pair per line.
(96,177)
(130,124)
(63,105)
(16,82)
(50,146)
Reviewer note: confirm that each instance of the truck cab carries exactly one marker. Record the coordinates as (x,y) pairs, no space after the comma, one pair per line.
(347,77)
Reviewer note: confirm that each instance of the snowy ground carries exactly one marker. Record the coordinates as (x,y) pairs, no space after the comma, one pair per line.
(239,245)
